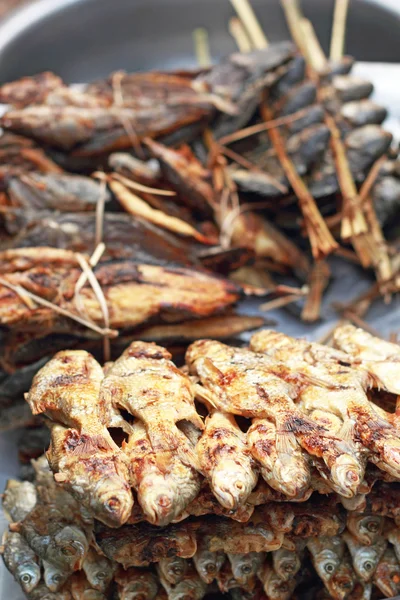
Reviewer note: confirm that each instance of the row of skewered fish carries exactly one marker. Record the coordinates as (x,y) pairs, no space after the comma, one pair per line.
(54,550)
(300,416)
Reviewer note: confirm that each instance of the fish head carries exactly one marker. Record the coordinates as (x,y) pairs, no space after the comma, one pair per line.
(54,577)
(244,566)
(342,583)
(326,564)
(174,568)
(277,589)
(368,529)
(158,499)
(189,589)
(111,501)
(71,547)
(140,589)
(209,565)
(292,474)
(365,562)
(28,576)
(231,485)
(347,474)
(287,564)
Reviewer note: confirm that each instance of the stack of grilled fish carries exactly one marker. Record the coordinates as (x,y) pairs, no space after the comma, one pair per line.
(247,471)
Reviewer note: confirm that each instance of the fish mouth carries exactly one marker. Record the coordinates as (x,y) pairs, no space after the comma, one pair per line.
(158,501)
(347,474)
(113,507)
(230,489)
(343,587)
(293,478)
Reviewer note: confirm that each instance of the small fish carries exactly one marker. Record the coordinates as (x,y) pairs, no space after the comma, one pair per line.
(208,564)
(245,566)
(342,582)
(42,592)
(191,587)
(365,558)
(326,554)
(225,578)
(365,528)
(54,577)
(21,561)
(19,499)
(274,586)
(387,574)
(136,584)
(98,570)
(173,569)
(82,590)
(393,537)
(226,461)
(286,563)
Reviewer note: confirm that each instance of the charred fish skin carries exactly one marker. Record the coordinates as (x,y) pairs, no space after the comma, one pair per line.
(136,584)
(225,459)
(165,485)
(21,561)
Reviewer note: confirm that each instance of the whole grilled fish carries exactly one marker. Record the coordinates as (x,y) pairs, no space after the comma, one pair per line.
(19,499)
(164,484)
(136,584)
(98,569)
(387,574)
(191,587)
(54,577)
(226,461)
(207,563)
(365,558)
(246,566)
(286,563)
(173,569)
(366,529)
(21,561)
(241,538)
(326,555)
(274,586)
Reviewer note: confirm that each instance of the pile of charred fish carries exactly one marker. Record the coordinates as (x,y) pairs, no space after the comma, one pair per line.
(252,471)
(146,205)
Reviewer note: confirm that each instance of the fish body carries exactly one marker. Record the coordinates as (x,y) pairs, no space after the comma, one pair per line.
(343,581)
(173,569)
(21,561)
(365,558)
(245,566)
(226,461)
(326,554)
(242,538)
(19,499)
(98,569)
(136,584)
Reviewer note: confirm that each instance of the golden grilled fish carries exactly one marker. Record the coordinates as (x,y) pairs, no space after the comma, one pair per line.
(365,528)
(21,561)
(146,383)
(19,499)
(387,574)
(207,563)
(225,460)
(54,577)
(393,536)
(136,584)
(377,356)
(274,586)
(98,569)
(191,587)
(246,383)
(287,563)
(340,390)
(82,590)
(165,485)
(365,558)
(173,569)
(94,471)
(246,566)
(326,555)
(343,581)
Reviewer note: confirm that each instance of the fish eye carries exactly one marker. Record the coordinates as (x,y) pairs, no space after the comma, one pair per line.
(372,526)
(26,578)
(68,550)
(246,569)
(288,567)
(57,577)
(113,504)
(210,567)
(177,569)
(329,568)
(368,566)
(101,575)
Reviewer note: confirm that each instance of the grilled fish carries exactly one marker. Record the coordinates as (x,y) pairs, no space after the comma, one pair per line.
(393,536)
(54,577)
(225,579)
(164,484)
(19,499)
(136,584)
(387,574)
(191,587)
(98,569)
(343,581)
(207,563)
(246,566)
(274,586)
(327,555)
(286,563)
(173,569)
(82,590)
(366,529)
(21,561)
(365,558)
(225,460)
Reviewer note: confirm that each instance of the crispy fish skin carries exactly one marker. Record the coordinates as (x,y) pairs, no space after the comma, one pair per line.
(242,538)
(94,471)
(246,383)
(21,561)
(19,499)
(136,584)
(173,569)
(207,563)
(225,460)
(387,574)
(326,554)
(98,569)
(164,484)
(146,383)
(344,394)
(54,577)
(365,528)
(246,566)
(365,558)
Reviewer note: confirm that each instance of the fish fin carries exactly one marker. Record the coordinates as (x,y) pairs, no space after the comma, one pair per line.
(347,431)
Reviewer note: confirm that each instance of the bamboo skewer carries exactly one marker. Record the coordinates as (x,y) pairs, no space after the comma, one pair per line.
(202,47)
(339,29)
(250,23)
(239,34)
